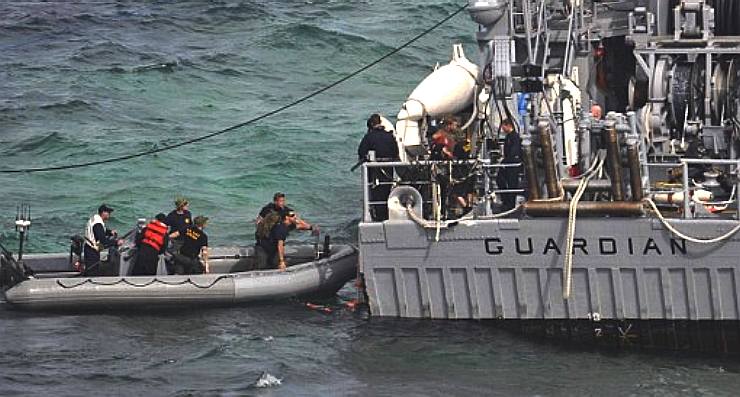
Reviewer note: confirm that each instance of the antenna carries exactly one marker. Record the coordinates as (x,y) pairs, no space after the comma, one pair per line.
(22,225)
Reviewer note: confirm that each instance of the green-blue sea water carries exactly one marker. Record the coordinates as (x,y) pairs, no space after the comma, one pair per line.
(89,80)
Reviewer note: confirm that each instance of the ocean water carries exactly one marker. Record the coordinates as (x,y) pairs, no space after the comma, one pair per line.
(88,80)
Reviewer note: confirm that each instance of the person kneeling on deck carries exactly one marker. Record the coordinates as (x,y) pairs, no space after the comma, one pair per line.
(195,244)
(151,243)
(98,238)
(270,249)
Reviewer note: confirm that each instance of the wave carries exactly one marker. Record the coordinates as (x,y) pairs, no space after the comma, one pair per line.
(239,11)
(72,104)
(42,144)
(306,35)
(267,380)
(108,52)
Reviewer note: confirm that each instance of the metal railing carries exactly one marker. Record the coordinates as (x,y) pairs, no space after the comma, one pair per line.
(685,188)
(427,166)
(396,165)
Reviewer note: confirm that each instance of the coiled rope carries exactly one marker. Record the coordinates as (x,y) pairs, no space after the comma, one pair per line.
(245,123)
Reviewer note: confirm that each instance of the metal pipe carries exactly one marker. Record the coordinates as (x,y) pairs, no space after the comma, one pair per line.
(530,169)
(594,185)
(585,208)
(611,138)
(365,195)
(584,143)
(548,157)
(633,159)
(686,202)
(737,191)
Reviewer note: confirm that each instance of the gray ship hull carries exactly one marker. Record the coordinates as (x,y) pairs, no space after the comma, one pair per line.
(623,269)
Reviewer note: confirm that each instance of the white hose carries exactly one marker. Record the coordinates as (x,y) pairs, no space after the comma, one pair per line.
(474,115)
(675,231)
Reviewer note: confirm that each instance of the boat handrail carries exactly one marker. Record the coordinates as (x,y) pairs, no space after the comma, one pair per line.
(686,187)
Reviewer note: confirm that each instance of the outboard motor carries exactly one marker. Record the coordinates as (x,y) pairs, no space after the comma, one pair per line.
(325,250)
(11,272)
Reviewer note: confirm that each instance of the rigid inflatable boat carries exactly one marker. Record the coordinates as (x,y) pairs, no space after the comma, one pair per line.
(48,281)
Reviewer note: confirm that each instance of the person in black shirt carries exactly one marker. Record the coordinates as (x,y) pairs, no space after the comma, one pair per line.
(508,178)
(195,243)
(270,251)
(179,220)
(278,205)
(386,149)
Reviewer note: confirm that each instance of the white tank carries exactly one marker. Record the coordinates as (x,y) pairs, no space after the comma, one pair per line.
(448,90)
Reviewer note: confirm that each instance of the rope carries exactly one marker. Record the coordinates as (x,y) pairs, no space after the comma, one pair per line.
(570,236)
(150,282)
(245,123)
(678,233)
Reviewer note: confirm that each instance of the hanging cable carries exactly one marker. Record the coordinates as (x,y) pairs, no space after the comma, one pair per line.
(243,124)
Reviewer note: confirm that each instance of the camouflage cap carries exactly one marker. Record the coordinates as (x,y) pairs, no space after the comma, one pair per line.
(180,201)
(200,220)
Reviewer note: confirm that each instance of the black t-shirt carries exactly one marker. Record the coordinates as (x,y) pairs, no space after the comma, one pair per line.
(179,222)
(194,240)
(271,207)
(279,232)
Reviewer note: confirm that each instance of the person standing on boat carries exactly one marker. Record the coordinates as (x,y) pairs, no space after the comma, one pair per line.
(383,143)
(508,178)
(151,243)
(270,249)
(278,206)
(98,238)
(178,221)
(195,244)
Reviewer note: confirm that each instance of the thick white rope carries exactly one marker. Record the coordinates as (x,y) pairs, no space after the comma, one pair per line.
(678,233)
(570,236)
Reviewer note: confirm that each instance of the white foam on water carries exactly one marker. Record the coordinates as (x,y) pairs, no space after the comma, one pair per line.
(267,380)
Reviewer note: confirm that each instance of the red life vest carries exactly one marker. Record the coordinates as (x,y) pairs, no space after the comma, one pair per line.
(154,235)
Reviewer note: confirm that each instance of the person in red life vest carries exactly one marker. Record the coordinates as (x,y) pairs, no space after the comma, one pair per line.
(151,243)
(443,141)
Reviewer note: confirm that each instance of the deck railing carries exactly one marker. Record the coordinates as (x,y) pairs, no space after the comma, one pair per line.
(427,165)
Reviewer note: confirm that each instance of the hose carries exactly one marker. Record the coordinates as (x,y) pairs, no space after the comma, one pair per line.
(678,233)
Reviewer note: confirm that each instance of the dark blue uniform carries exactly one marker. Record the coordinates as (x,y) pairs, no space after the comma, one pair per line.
(508,178)
(386,149)
(267,248)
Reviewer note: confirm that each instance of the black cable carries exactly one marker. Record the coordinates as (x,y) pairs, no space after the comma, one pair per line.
(250,121)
